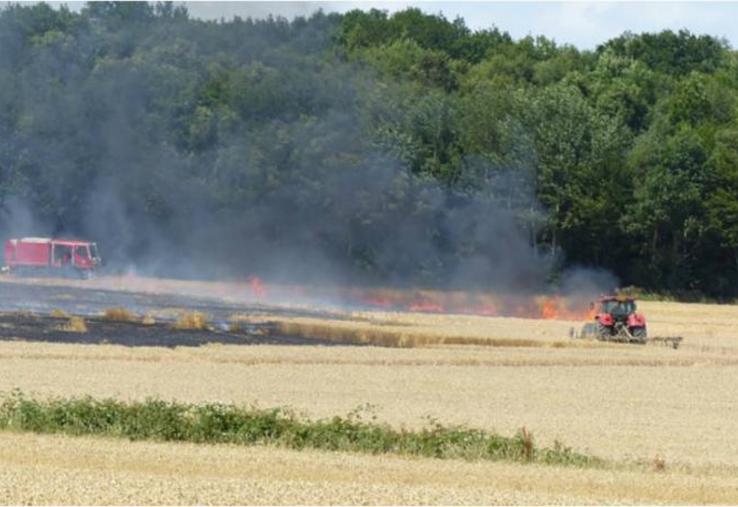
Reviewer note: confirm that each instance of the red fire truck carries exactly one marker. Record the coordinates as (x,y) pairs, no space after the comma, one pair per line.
(51,256)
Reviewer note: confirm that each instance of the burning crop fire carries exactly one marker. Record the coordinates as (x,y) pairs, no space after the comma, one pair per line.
(257,287)
(253,289)
(554,307)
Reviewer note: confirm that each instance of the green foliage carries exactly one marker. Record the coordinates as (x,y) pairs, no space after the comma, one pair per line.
(405,59)
(671,53)
(668,212)
(218,423)
(343,136)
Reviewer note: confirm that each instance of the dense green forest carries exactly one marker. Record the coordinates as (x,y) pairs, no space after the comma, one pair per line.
(400,148)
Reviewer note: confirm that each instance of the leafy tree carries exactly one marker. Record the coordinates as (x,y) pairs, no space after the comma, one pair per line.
(386,148)
(579,177)
(671,53)
(722,208)
(668,213)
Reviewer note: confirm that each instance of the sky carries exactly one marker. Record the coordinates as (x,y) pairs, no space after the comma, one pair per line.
(582,24)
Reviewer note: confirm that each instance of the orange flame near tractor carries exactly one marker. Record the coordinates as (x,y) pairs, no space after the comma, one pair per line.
(556,307)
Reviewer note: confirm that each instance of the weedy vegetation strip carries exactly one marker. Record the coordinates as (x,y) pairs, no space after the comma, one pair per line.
(219,423)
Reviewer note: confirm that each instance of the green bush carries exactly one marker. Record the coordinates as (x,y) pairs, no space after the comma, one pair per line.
(219,423)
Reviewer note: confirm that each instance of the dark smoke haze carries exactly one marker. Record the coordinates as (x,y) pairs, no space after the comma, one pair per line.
(186,151)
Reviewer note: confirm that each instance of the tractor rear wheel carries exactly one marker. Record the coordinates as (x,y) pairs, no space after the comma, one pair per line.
(639,334)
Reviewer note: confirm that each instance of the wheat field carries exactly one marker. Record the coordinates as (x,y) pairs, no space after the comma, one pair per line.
(619,403)
(44,469)
(627,404)
(706,329)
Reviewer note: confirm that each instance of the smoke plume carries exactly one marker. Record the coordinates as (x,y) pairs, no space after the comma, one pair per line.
(199,150)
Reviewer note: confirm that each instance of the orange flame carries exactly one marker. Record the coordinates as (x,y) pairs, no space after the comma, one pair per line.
(426,307)
(257,287)
(592,312)
(550,308)
(557,307)
(381,302)
(528,306)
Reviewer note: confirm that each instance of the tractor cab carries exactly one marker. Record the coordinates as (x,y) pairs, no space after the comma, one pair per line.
(619,308)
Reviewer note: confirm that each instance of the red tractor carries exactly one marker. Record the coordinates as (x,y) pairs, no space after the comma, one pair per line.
(616,320)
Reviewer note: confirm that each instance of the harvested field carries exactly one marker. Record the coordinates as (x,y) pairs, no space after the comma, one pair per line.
(630,403)
(42,469)
(706,328)
(481,331)
(620,402)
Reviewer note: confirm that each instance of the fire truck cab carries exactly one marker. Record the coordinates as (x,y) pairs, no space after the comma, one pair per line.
(51,256)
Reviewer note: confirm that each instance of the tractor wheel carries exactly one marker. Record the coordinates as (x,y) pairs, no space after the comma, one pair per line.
(639,334)
(603,332)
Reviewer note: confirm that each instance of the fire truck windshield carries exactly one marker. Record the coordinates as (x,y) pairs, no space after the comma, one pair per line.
(81,252)
(93,251)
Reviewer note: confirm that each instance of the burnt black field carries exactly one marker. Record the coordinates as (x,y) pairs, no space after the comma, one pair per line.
(26,315)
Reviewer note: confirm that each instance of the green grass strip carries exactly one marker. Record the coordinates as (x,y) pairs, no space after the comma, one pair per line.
(218,423)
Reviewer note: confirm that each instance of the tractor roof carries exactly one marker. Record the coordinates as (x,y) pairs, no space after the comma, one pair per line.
(616,298)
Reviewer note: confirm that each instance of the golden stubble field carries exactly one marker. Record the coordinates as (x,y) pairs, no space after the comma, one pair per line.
(625,403)
(622,402)
(43,469)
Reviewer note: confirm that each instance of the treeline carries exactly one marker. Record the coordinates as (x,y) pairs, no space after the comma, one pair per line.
(384,148)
